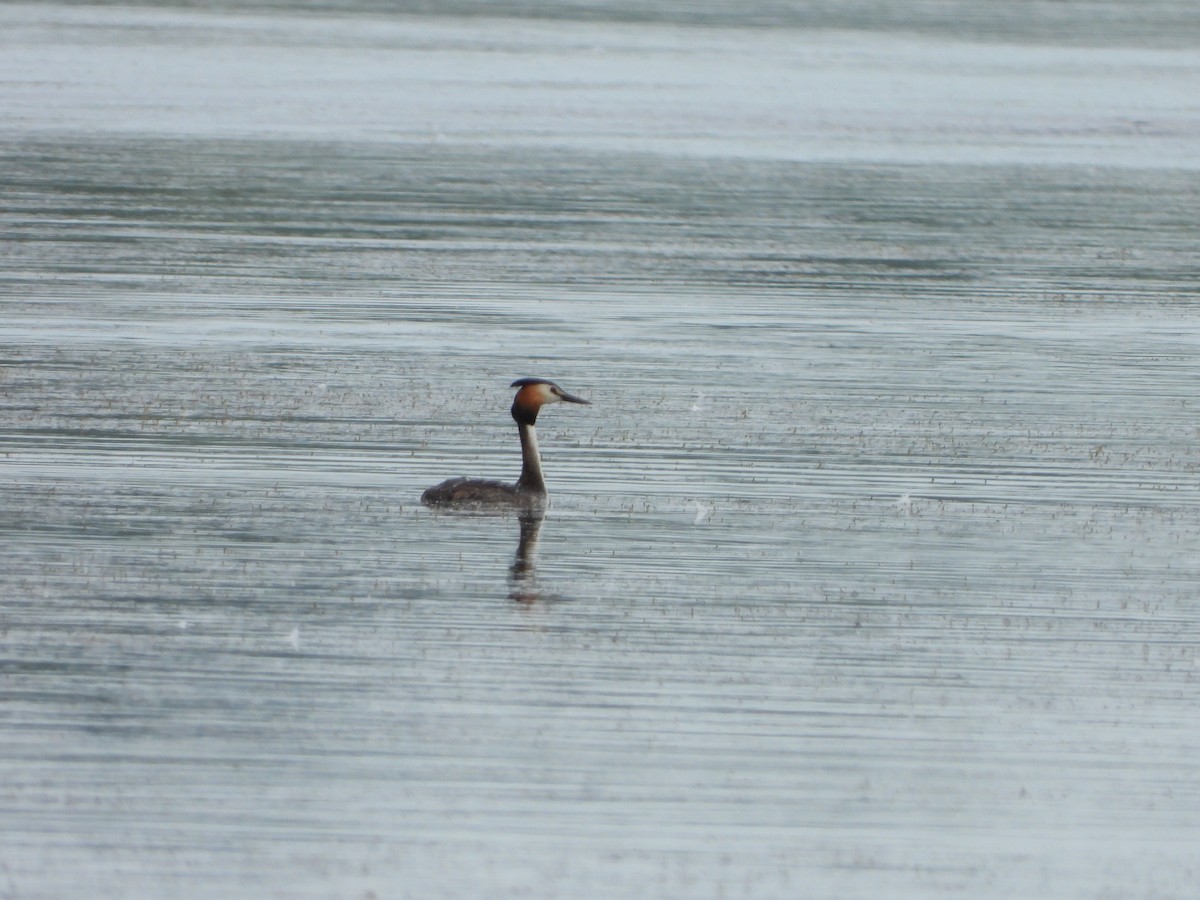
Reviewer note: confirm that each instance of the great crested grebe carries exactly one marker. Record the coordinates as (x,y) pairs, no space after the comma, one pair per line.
(530,490)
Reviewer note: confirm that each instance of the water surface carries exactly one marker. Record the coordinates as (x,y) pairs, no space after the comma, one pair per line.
(870,572)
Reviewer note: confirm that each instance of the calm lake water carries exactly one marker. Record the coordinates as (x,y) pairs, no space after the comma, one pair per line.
(870,572)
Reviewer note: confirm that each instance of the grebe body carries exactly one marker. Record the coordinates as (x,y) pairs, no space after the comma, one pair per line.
(530,490)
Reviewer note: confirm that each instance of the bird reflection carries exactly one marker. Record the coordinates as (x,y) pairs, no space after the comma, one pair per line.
(522,579)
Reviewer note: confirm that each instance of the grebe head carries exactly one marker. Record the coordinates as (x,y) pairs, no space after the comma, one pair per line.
(535,393)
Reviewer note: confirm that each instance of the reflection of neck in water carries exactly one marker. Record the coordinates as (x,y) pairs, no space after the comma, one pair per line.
(523,572)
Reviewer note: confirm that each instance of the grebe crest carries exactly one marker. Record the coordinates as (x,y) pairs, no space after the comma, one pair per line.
(530,490)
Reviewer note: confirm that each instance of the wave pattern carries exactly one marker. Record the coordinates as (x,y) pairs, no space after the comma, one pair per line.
(871,570)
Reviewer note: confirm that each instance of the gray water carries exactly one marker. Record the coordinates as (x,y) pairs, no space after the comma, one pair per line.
(870,572)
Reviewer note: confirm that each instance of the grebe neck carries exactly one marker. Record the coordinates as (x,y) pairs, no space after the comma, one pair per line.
(531,461)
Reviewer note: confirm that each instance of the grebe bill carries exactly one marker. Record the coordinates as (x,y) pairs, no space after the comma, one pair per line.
(530,489)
